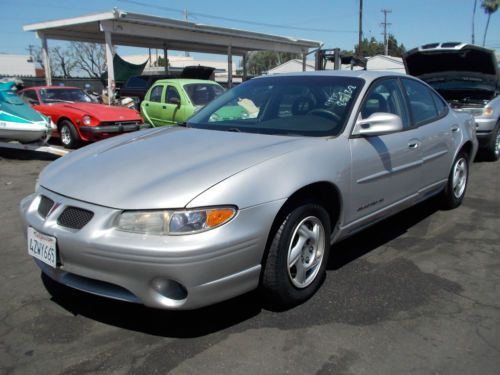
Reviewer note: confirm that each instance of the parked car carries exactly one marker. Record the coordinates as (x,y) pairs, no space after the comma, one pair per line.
(467,76)
(78,119)
(136,87)
(172,101)
(251,200)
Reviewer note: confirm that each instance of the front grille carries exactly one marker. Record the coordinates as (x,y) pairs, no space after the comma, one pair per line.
(45,205)
(123,123)
(74,217)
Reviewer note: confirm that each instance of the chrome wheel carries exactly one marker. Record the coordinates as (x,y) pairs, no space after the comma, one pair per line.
(306,252)
(459,177)
(65,135)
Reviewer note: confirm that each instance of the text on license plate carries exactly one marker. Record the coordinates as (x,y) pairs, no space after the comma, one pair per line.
(42,247)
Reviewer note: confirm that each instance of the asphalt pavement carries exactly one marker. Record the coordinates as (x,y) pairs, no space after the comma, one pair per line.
(415,294)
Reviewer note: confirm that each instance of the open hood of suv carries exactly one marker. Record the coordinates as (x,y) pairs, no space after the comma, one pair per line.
(455,67)
(197,72)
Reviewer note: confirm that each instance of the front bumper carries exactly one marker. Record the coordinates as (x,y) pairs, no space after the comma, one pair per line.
(485,130)
(170,272)
(113,128)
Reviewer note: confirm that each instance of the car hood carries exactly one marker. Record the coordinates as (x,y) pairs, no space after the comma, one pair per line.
(159,168)
(99,111)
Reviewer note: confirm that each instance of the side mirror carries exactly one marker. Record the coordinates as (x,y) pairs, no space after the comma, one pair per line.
(379,123)
(174,100)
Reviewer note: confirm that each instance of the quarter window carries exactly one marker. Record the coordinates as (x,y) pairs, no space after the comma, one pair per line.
(156,92)
(30,97)
(441,105)
(386,96)
(421,102)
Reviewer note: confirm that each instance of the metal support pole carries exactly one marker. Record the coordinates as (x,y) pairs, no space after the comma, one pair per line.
(229,67)
(46,60)
(336,59)
(165,55)
(110,66)
(304,57)
(245,63)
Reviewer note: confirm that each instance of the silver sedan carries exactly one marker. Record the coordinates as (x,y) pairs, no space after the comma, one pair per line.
(250,193)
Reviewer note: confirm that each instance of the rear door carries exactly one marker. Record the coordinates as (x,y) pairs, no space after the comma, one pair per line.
(386,169)
(436,131)
(151,107)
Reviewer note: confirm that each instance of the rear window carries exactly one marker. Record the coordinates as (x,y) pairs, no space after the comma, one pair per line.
(202,93)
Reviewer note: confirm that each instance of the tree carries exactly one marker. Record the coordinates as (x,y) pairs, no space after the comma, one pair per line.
(62,62)
(372,47)
(262,61)
(490,7)
(89,57)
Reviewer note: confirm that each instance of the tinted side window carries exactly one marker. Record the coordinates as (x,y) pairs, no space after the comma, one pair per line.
(30,97)
(172,93)
(421,102)
(441,105)
(155,95)
(386,96)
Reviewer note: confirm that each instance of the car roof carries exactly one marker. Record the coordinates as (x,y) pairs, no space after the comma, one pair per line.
(185,81)
(368,75)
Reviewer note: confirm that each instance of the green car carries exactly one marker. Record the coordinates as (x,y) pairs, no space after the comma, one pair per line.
(173,101)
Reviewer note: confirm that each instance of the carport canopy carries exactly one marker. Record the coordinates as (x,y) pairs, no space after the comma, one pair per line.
(118,27)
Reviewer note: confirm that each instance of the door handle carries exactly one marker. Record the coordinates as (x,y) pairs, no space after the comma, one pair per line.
(164,106)
(147,105)
(455,128)
(413,145)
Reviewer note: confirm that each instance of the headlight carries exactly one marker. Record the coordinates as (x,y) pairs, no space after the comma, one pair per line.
(170,222)
(86,120)
(487,111)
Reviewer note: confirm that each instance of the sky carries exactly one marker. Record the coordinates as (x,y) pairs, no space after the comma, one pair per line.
(333,22)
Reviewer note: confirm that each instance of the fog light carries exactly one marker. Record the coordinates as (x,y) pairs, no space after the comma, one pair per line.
(169,288)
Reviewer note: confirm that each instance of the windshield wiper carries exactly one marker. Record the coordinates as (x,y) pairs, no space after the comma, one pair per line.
(236,130)
(183,124)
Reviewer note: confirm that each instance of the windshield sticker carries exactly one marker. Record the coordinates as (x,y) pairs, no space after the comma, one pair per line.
(342,98)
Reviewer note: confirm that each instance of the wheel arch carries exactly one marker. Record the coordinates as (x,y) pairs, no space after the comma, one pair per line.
(324,193)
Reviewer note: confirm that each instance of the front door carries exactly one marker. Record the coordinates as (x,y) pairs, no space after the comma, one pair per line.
(386,169)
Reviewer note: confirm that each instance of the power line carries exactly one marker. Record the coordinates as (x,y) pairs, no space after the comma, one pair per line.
(385,24)
(237,20)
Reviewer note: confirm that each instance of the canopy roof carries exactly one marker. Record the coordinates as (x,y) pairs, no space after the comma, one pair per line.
(140,30)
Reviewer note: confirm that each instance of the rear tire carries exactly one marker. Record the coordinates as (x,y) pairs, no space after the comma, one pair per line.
(69,136)
(456,186)
(492,150)
(297,257)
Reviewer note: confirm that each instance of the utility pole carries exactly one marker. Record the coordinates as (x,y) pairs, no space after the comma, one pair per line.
(360,36)
(186,53)
(385,24)
(473,16)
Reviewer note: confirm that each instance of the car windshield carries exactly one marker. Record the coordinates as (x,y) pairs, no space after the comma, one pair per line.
(203,93)
(64,95)
(301,105)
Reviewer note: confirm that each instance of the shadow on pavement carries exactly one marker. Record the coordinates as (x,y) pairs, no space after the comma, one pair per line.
(8,153)
(180,324)
(379,234)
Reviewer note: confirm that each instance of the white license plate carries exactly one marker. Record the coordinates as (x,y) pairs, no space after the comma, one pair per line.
(42,247)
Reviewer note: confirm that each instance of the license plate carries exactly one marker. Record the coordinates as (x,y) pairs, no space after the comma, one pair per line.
(42,247)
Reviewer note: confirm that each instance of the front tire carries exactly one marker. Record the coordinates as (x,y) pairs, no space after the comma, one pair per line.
(492,150)
(456,186)
(69,136)
(297,257)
